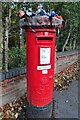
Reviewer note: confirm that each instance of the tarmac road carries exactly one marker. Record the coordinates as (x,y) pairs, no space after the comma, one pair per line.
(66,102)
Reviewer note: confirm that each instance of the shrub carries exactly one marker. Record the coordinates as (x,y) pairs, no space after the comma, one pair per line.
(17,57)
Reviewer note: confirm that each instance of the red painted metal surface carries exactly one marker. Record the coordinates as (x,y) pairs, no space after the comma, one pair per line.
(40,65)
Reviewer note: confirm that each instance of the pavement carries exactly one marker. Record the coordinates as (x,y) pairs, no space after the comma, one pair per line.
(66,102)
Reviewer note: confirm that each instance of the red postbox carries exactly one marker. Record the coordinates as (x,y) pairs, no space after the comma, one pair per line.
(40,71)
(40,39)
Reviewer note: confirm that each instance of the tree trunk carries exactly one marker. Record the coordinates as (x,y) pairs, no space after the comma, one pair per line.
(70,45)
(20,34)
(20,39)
(6,45)
(74,44)
(66,41)
(1,38)
(9,16)
(6,23)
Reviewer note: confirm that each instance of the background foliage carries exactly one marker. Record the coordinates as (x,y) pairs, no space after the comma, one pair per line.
(68,38)
(16,57)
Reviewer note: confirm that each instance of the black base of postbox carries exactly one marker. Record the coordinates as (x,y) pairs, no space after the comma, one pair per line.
(39,112)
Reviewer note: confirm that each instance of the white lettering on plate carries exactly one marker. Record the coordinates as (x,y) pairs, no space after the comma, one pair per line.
(44,67)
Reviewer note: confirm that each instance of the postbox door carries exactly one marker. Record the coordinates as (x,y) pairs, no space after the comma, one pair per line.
(41,67)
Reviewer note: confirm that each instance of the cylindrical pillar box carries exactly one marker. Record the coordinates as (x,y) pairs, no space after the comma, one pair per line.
(40,71)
